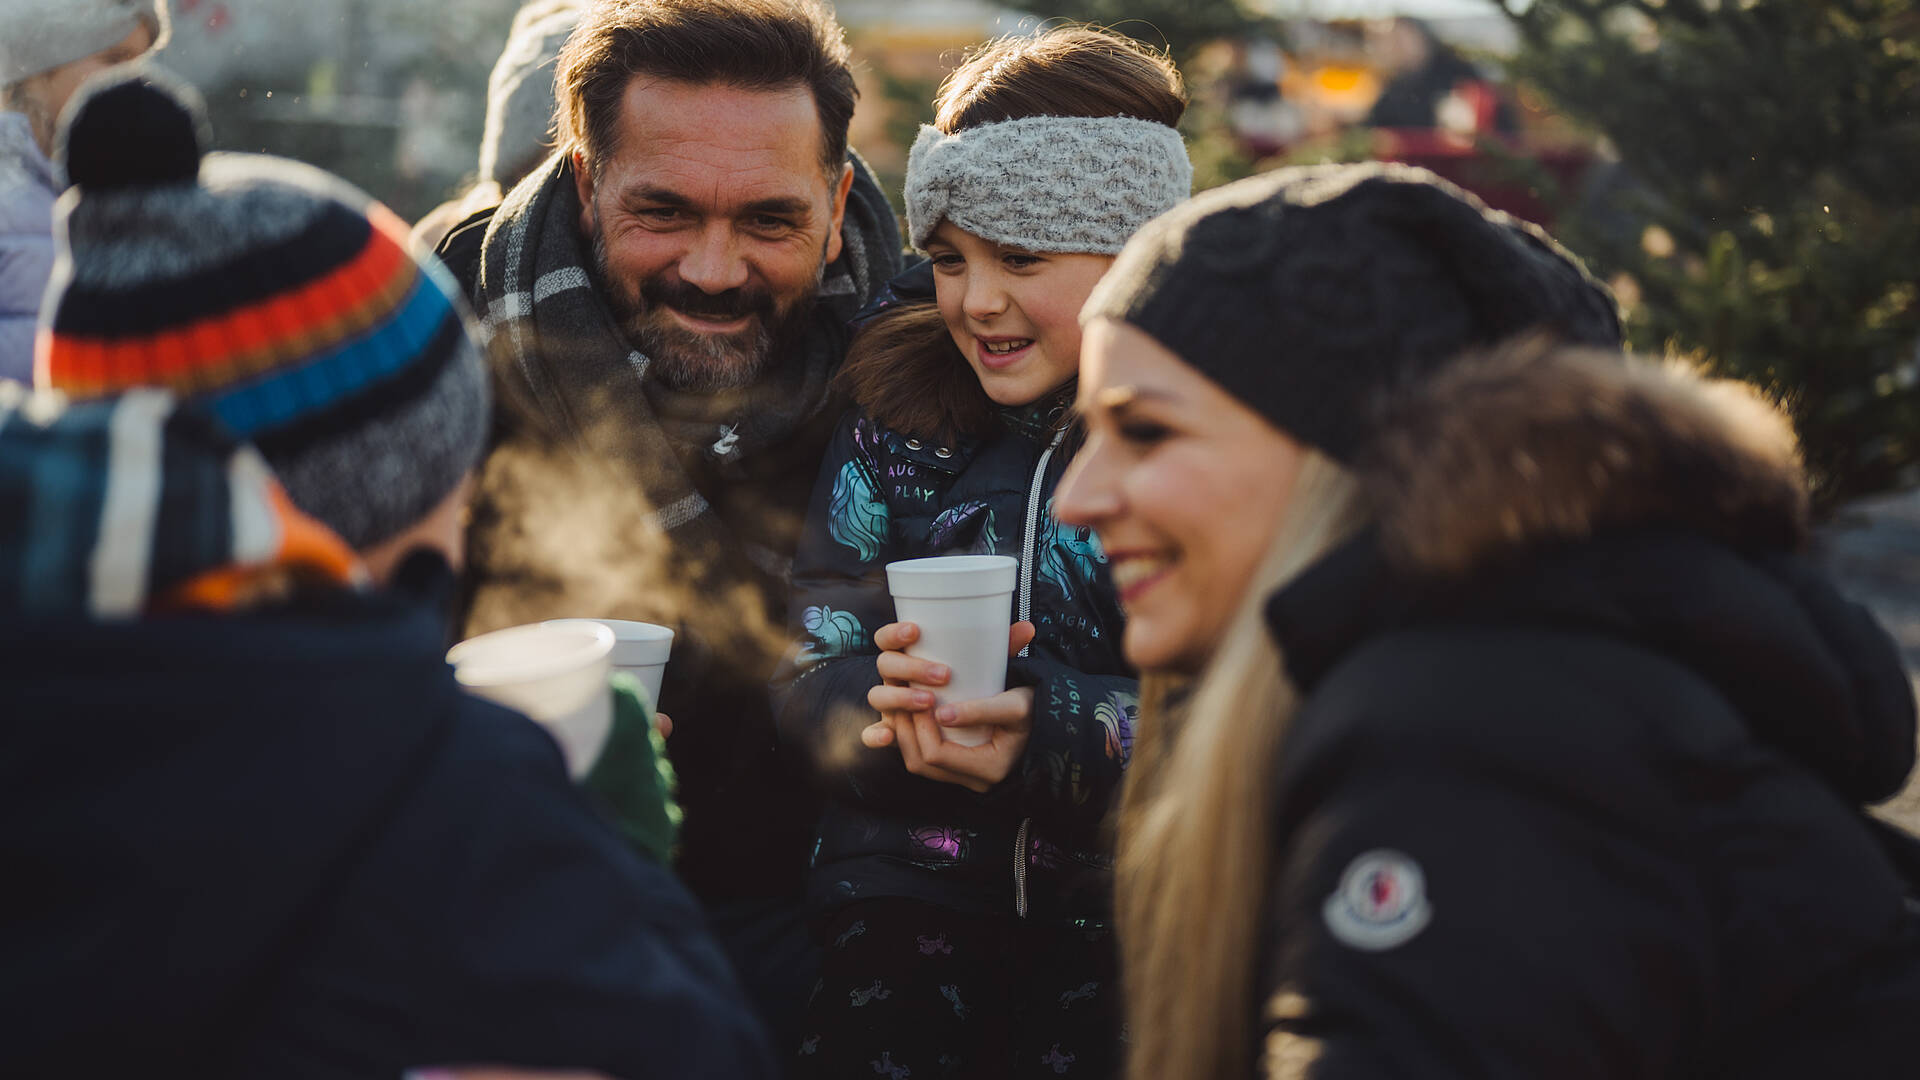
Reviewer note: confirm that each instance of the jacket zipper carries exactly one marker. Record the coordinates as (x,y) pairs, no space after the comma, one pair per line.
(1027,553)
(1020,868)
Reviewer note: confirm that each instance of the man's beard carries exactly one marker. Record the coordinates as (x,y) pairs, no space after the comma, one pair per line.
(697,363)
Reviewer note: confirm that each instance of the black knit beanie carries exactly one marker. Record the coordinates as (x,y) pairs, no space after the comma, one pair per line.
(1307,292)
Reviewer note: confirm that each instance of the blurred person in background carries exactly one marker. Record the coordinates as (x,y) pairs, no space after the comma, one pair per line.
(965,893)
(518,131)
(47,49)
(1501,730)
(1430,85)
(668,297)
(260,829)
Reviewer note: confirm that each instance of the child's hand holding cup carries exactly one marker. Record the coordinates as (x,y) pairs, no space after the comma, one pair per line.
(961,606)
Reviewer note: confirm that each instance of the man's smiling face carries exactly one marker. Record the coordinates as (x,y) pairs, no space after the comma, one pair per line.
(712,220)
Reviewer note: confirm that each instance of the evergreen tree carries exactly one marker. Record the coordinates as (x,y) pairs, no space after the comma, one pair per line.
(1764,204)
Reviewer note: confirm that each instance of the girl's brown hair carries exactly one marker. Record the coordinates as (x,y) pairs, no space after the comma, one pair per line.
(903,368)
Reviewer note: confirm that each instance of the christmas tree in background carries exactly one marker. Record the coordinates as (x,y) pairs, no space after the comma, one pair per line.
(1766,207)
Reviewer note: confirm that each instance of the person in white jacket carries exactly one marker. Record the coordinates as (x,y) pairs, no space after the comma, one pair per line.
(47,49)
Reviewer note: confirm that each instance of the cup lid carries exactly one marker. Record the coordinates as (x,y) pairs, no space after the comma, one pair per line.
(623,629)
(953,577)
(527,653)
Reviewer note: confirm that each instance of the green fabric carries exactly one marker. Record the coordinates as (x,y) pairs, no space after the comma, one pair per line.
(633,777)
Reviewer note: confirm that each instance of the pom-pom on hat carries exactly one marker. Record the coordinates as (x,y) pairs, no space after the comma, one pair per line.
(284,300)
(1306,292)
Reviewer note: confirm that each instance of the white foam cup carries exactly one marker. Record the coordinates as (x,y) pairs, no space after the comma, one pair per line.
(639,648)
(555,674)
(963,605)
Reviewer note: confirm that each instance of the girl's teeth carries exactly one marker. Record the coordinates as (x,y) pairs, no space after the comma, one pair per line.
(1002,348)
(1133,571)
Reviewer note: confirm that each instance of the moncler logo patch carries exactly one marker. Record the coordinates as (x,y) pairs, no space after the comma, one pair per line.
(1381,902)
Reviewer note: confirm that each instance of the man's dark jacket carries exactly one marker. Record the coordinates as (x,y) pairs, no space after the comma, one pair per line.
(1577,787)
(287,844)
(749,812)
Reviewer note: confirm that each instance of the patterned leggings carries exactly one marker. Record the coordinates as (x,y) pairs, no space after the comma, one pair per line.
(911,990)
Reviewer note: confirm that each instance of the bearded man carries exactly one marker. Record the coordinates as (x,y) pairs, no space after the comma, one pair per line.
(668,298)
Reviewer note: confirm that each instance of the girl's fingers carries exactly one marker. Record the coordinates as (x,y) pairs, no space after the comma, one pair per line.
(1019,636)
(894,637)
(899,667)
(960,765)
(890,699)
(877,736)
(912,750)
(1009,709)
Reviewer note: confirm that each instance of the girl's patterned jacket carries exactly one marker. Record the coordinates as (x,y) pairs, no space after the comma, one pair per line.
(1035,845)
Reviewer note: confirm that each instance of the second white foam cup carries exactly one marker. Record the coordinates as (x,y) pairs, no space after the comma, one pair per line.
(963,605)
(639,648)
(555,674)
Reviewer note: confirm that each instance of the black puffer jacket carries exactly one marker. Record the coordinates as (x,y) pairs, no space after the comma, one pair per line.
(1576,788)
(1033,845)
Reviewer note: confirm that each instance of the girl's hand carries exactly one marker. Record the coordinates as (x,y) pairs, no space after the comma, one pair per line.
(909,721)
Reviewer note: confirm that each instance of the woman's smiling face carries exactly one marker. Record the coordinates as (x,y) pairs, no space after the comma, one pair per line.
(1015,315)
(1186,486)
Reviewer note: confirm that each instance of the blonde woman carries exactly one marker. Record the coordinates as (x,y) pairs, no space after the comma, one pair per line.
(1499,732)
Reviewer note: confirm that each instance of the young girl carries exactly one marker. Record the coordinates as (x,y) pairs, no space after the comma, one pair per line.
(964,892)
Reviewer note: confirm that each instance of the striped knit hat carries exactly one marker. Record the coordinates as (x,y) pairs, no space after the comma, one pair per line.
(114,509)
(283,300)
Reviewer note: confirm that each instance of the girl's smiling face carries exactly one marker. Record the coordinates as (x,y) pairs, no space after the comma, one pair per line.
(1187,487)
(1015,315)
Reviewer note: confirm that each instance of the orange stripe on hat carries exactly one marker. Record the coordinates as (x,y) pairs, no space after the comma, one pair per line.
(236,345)
(308,551)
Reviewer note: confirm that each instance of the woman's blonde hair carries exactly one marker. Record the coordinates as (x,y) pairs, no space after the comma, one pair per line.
(1196,847)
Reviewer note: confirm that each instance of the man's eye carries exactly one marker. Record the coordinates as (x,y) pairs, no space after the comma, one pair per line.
(659,213)
(768,223)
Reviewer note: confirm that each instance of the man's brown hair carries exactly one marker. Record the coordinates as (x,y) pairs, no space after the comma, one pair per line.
(751,44)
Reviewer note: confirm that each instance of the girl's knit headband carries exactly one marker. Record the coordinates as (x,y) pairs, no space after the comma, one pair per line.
(1047,183)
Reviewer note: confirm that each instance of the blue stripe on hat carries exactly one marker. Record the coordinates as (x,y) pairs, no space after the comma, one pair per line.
(283,397)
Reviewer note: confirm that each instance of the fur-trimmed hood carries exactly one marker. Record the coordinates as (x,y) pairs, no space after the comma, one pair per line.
(1581,493)
(1532,445)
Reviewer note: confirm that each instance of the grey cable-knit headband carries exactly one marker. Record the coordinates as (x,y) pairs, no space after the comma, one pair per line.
(1047,183)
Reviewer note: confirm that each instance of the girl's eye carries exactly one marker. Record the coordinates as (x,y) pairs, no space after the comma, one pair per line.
(1021,262)
(947,261)
(1144,432)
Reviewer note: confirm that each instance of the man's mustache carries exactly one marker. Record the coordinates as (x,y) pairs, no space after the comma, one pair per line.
(725,306)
